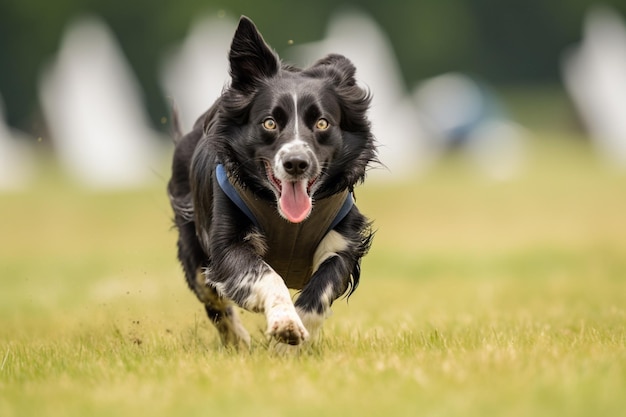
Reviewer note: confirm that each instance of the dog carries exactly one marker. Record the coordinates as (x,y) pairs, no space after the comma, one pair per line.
(262,192)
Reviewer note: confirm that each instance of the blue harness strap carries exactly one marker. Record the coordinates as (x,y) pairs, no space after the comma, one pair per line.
(343,212)
(231,192)
(233,195)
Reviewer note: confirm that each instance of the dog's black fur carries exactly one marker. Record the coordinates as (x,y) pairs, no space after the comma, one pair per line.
(305,126)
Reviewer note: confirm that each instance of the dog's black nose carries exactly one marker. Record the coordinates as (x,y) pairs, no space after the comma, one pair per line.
(296,165)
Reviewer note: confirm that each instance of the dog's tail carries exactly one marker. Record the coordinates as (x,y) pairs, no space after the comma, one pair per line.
(176,130)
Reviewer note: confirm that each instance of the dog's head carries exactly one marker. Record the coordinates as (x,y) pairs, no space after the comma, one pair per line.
(288,134)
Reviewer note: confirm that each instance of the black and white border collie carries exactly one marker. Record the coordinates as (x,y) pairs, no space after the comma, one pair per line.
(262,192)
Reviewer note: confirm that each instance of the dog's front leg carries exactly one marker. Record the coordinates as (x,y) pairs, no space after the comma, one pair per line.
(334,262)
(271,295)
(251,283)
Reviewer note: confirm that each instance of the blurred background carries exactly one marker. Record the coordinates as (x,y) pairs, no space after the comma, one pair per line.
(91,82)
(499,258)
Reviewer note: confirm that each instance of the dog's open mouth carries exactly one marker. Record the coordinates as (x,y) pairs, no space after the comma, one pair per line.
(294,197)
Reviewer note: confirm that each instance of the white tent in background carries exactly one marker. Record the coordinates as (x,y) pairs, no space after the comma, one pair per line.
(595,77)
(403,146)
(194,74)
(16,158)
(94,110)
(460,112)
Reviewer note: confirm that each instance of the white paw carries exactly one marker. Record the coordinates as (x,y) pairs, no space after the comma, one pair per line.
(284,325)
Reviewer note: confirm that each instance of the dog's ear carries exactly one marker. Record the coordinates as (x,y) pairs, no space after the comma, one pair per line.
(251,59)
(342,70)
(353,99)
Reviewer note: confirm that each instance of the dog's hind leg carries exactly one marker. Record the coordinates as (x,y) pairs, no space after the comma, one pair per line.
(223,314)
(231,331)
(221,311)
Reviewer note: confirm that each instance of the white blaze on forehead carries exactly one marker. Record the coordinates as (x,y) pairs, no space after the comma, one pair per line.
(295,144)
(295,117)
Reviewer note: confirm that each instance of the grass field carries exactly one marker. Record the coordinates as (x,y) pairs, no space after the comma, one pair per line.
(477,299)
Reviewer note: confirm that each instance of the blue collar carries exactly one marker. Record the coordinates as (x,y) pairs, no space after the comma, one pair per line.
(233,195)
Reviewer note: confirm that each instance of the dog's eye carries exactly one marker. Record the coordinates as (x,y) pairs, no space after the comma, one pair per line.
(322,124)
(270,124)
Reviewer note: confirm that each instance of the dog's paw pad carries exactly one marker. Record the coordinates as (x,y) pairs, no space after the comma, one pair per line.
(287,328)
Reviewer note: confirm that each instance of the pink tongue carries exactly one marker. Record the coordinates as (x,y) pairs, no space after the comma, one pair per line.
(294,201)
